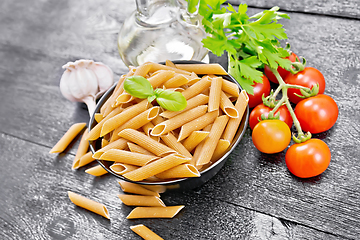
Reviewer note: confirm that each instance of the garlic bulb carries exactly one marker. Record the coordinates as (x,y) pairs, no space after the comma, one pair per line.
(85,81)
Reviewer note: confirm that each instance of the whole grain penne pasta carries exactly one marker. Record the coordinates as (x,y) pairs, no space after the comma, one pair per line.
(84,160)
(211,141)
(88,204)
(227,106)
(176,81)
(82,149)
(214,95)
(128,157)
(96,171)
(211,68)
(156,67)
(193,102)
(161,77)
(124,98)
(220,149)
(145,232)
(122,168)
(181,171)
(121,143)
(194,139)
(234,123)
(96,130)
(106,108)
(119,119)
(98,117)
(154,212)
(136,189)
(156,167)
(230,88)
(192,78)
(147,128)
(138,149)
(143,201)
(67,138)
(171,141)
(146,142)
(169,63)
(175,122)
(197,88)
(197,124)
(142,70)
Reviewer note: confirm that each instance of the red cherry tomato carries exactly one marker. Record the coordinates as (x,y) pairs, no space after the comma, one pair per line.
(308,159)
(255,115)
(317,114)
(259,90)
(283,73)
(271,136)
(308,78)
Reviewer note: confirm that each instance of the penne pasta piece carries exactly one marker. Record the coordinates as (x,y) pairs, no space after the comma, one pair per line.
(142,70)
(137,149)
(214,95)
(147,128)
(194,139)
(177,121)
(181,171)
(67,138)
(145,232)
(220,149)
(146,142)
(108,104)
(118,144)
(96,130)
(234,123)
(156,67)
(176,81)
(156,167)
(84,160)
(197,88)
(211,141)
(154,212)
(136,189)
(96,171)
(169,63)
(171,141)
(193,78)
(161,77)
(127,157)
(119,119)
(98,117)
(122,168)
(193,102)
(89,204)
(143,201)
(104,142)
(197,124)
(198,148)
(124,98)
(82,149)
(156,188)
(230,88)
(211,68)
(228,107)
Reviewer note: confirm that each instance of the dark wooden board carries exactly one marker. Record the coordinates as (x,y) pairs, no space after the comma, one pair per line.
(347,9)
(253,196)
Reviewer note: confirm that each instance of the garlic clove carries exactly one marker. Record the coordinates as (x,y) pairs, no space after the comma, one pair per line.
(105,77)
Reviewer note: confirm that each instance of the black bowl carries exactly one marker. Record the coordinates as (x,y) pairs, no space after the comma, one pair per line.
(177,184)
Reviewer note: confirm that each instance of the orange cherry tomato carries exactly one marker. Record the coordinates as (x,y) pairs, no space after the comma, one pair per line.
(271,136)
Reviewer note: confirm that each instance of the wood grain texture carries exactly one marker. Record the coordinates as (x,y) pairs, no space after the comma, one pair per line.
(348,9)
(253,196)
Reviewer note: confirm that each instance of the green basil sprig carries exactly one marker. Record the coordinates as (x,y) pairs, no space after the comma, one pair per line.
(140,87)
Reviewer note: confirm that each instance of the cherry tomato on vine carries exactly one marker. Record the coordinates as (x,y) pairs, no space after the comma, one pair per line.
(317,114)
(308,78)
(255,115)
(259,90)
(283,73)
(271,136)
(308,159)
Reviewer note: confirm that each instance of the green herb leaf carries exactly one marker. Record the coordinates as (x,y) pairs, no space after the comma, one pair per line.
(170,100)
(138,86)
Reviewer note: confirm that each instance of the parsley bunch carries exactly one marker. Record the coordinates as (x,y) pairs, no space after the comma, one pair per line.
(250,42)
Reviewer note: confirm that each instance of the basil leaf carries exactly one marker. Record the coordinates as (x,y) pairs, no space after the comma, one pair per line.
(170,100)
(138,86)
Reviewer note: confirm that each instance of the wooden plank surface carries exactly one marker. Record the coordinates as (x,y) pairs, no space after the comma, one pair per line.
(252,197)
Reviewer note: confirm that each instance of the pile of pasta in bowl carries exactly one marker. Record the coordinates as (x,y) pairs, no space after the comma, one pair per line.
(138,140)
